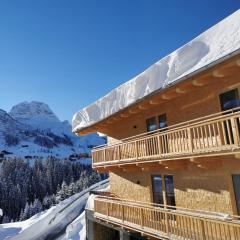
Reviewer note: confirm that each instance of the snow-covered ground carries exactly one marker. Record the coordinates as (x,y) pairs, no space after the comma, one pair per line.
(215,43)
(76,230)
(54,220)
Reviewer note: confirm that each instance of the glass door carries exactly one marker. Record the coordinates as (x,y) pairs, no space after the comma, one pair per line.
(169,185)
(236,186)
(157,189)
(229,100)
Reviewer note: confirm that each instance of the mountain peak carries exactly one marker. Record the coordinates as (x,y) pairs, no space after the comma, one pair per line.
(32,110)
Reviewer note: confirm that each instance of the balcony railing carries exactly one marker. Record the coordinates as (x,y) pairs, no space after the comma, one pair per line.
(167,222)
(213,134)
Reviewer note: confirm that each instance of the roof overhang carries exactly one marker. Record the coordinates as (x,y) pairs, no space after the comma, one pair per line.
(205,58)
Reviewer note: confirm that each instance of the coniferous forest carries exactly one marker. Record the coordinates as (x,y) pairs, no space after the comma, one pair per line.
(28,188)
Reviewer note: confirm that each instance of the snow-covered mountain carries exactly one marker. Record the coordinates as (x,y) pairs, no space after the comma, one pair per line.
(31,129)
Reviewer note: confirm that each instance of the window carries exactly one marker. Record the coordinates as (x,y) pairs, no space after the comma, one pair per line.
(151,124)
(157,189)
(169,186)
(229,100)
(162,119)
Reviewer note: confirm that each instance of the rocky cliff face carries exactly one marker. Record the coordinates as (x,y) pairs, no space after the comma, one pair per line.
(31,129)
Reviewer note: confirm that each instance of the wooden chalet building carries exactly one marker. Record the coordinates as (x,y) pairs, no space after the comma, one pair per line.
(173,152)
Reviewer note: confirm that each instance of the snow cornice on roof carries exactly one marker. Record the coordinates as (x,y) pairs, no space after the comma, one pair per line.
(215,45)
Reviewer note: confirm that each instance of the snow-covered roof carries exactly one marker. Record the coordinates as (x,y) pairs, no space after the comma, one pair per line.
(212,45)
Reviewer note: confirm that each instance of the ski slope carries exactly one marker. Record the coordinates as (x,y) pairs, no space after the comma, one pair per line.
(52,221)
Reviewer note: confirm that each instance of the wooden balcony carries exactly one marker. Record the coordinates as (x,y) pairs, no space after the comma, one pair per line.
(165,222)
(217,134)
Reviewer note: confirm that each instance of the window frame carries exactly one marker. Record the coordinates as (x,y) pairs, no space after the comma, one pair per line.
(157,120)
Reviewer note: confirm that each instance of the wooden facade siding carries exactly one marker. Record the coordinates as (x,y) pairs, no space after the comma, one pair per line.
(213,134)
(167,222)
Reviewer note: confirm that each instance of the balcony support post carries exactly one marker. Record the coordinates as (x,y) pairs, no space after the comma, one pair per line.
(159,145)
(136,148)
(167,223)
(190,140)
(235,131)
(122,213)
(104,155)
(141,216)
(119,154)
(107,210)
(202,230)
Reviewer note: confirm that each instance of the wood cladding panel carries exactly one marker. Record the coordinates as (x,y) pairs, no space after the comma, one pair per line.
(195,188)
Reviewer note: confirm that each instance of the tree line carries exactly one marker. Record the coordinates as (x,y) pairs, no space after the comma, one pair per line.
(27,188)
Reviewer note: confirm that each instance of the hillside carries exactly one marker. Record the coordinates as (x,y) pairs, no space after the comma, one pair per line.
(32,130)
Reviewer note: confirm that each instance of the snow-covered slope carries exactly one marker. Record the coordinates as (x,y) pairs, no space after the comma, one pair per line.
(53,220)
(31,129)
(9,126)
(215,43)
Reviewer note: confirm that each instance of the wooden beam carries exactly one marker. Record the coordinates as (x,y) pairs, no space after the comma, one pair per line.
(166,97)
(238,62)
(143,106)
(237,155)
(124,115)
(102,125)
(218,74)
(169,95)
(180,90)
(101,170)
(208,163)
(114,169)
(129,169)
(110,121)
(134,111)
(116,119)
(154,102)
(152,168)
(175,165)
(148,164)
(197,83)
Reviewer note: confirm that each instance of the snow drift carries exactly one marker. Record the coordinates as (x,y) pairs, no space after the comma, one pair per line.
(54,220)
(215,43)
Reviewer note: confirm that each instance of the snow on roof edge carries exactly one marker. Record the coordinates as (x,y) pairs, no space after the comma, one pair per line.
(216,43)
(204,68)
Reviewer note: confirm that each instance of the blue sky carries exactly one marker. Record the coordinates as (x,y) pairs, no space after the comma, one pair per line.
(70,53)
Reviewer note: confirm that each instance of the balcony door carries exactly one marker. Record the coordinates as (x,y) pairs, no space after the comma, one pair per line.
(229,100)
(169,186)
(163,185)
(236,186)
(157,188)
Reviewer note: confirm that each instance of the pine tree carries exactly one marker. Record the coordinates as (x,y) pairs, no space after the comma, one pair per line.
(6,219)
